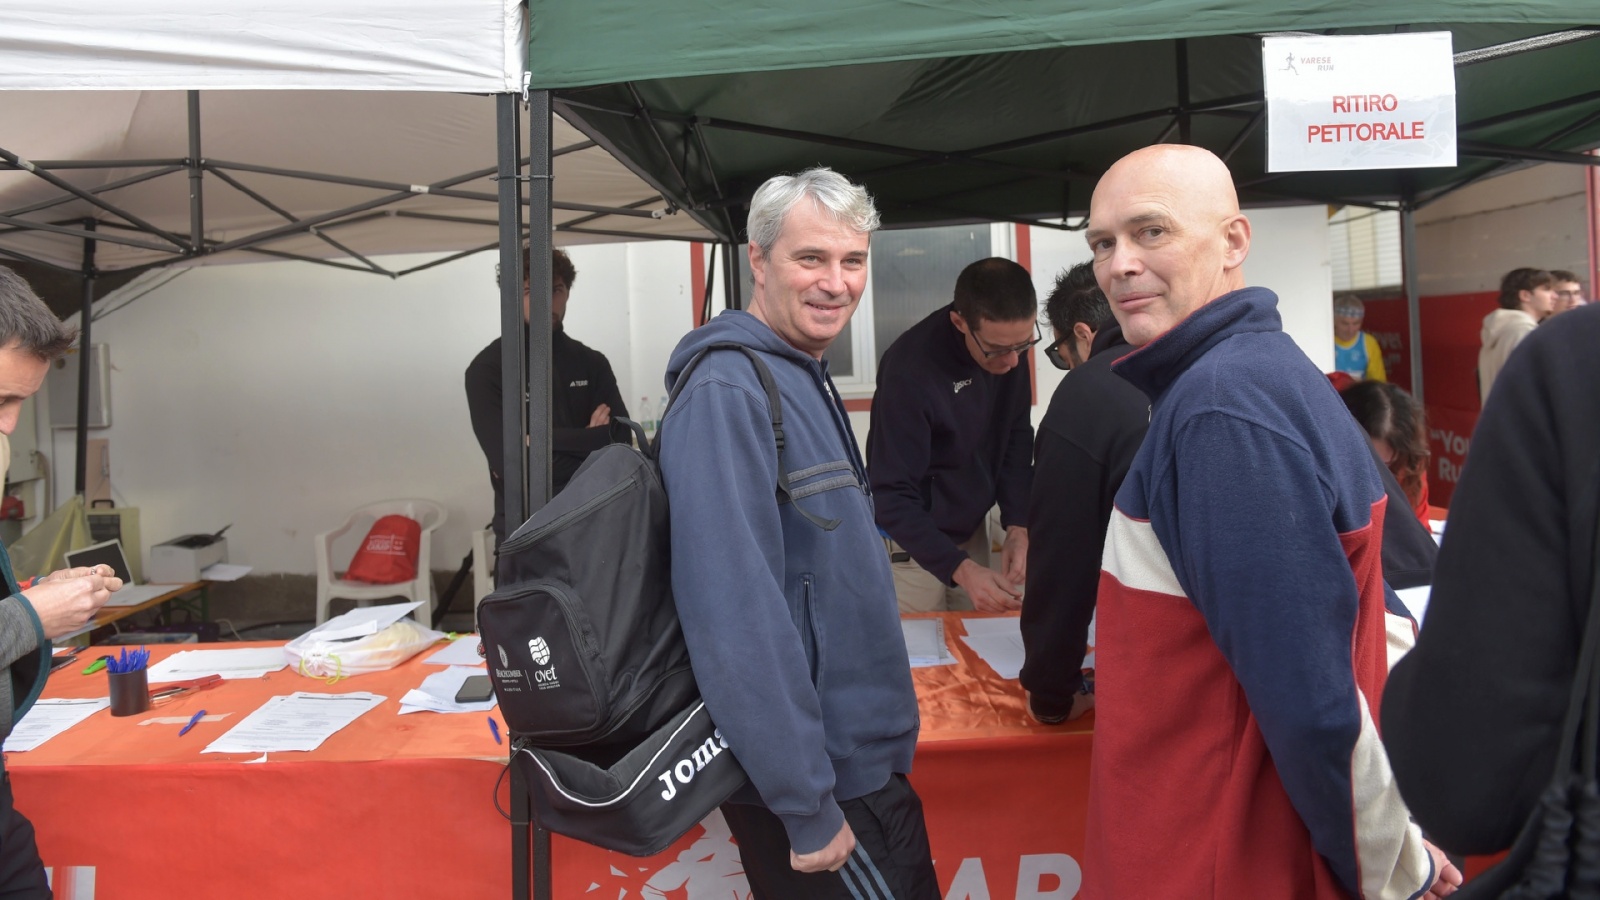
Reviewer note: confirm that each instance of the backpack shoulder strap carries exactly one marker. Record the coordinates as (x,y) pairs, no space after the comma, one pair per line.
(774,406)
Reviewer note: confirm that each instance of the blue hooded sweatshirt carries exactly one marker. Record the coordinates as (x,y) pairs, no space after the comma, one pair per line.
(793,631)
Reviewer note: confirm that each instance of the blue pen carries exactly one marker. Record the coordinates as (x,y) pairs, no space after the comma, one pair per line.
(192,719)
(494,729)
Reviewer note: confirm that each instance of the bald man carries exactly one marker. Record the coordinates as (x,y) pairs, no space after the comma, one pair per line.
(1242,614)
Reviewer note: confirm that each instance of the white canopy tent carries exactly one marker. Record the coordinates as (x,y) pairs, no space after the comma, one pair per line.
(314,130)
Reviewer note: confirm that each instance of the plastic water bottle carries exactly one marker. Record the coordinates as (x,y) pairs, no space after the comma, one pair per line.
(661,412)
(647,416)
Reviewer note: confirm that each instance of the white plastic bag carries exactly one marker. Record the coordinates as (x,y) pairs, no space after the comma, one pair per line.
(315,654)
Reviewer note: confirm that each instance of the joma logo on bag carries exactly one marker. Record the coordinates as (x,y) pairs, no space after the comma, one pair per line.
(685,769)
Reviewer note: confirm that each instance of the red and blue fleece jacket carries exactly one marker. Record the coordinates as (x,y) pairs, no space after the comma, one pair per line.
(1241,637)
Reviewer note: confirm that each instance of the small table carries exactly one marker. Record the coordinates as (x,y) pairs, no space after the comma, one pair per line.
(109,614)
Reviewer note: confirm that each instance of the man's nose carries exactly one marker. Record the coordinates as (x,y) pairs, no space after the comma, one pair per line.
(1125,259)
(832,279)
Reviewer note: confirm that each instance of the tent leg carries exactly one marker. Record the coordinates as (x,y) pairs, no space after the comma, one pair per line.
(197,230)
(541,338)
(81,481)
(512,333)
(1408,263)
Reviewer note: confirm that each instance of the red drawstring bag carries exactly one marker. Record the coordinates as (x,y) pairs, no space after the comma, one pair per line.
(388,553)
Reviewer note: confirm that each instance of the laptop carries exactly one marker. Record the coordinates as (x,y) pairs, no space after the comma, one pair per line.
(109,553)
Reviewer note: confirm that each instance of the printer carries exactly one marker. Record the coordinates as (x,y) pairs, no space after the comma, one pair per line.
(180,560)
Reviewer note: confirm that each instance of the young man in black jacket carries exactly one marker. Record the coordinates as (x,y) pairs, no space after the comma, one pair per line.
(585,402)
(950,438)
(1087,438)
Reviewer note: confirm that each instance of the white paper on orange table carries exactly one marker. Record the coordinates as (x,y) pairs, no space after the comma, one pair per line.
(463,651)
(437,693)
(998,642)
(925,643)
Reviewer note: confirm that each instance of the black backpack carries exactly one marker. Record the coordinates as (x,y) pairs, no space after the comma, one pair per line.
(588,660)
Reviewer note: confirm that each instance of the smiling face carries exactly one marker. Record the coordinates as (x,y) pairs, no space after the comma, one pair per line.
(806,289)
(1167,237)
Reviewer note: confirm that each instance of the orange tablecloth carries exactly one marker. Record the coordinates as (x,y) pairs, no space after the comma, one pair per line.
(402,806)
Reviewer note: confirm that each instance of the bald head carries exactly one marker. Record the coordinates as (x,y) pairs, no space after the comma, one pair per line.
(1167,237)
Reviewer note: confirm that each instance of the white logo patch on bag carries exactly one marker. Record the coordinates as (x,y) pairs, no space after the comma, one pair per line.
(539,650)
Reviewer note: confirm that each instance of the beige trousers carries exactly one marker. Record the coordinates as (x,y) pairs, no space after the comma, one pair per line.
(919,591)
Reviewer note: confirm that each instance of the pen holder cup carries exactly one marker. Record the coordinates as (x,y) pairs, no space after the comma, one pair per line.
(130,692)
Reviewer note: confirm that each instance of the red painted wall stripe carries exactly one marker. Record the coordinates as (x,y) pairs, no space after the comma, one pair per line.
(697,283)
(1024,244)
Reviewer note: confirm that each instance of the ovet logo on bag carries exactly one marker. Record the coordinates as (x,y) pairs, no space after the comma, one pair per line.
(545,679)
(685,769)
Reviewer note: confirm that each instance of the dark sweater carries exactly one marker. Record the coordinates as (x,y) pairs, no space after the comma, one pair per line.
(1087,439)
(582,380)
(947,441)
(1472,716)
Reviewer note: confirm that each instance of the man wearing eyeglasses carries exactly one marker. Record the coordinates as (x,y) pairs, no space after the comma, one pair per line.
(1569,291)
(951,437)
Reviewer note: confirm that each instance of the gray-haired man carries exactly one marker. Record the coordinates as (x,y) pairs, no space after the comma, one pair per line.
(31,337)
(788,608)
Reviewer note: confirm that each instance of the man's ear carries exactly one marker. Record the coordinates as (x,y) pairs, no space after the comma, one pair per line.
(1082,331)
(758,264)
(958,322)
(1236,239)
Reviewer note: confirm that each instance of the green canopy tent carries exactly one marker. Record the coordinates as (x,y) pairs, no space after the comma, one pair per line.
(1000,109)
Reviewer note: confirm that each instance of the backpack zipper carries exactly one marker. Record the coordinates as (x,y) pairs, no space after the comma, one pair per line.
(524,541)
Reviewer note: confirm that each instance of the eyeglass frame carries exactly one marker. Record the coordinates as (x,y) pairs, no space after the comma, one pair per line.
(1019,349)
(1052,352)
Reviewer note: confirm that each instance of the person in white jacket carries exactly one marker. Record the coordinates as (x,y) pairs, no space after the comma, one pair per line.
(1527,297)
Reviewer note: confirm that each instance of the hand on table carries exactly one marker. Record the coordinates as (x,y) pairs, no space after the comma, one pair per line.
(990,592)
(1081,704)
(65,600)
(1014,555)
(830,858)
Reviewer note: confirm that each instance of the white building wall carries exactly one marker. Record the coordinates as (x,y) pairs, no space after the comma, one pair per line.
(279,396)
(1534,217)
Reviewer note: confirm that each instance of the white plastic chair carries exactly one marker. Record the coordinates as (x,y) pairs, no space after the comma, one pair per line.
(428,514)
(482,569)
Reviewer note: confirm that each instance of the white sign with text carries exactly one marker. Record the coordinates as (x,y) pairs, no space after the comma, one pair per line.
(1381,101)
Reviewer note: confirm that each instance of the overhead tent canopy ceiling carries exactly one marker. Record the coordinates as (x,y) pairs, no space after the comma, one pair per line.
(326,131)
(1010,109)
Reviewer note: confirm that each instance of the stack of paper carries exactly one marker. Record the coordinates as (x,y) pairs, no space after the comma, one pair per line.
(244,662)
(462,651)
(49,718)
(362,621)
(998,642)
(925,643)
(437,693)
(298,721)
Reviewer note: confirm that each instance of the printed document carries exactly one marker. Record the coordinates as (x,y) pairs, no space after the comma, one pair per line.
(49,718)
(298,721)
(362,621)
(925,643)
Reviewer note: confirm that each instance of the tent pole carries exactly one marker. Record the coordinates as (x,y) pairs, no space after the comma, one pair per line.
(1408,263)
(540,351)
(1184,131)
(513,478)
(82,476)
(196,178)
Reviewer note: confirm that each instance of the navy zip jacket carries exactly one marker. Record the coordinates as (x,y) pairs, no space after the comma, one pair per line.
(1242,643)
(1087,440)
(948,440)
(793,631)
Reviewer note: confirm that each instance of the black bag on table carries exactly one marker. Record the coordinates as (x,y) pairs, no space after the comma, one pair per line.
(588,662)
